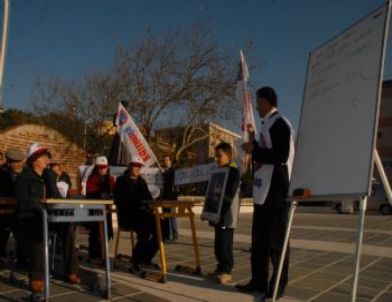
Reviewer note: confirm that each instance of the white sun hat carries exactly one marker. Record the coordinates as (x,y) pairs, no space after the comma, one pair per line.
(36,149)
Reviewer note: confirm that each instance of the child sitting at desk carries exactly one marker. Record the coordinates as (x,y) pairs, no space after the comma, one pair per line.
(224,229)
(130,196)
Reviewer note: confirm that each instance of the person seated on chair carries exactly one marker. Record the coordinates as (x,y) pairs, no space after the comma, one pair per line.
(30,192)
(9,172)
(100,185)
(63,180)
(131,196)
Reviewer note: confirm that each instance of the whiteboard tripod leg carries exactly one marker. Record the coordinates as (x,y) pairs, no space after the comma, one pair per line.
(362,212)
(284,249)
(383,176)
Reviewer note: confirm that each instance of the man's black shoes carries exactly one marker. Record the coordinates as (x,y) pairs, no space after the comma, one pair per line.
(279,294)
(249,288)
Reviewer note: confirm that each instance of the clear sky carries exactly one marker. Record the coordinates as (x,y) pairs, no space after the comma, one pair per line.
(69,38)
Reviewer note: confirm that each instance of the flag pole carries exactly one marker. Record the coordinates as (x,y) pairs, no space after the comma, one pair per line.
(245,156)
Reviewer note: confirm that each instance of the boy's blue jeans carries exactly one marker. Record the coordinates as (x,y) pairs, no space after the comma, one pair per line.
(224,249)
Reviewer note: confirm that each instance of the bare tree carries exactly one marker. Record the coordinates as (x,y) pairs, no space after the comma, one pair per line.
(180,77)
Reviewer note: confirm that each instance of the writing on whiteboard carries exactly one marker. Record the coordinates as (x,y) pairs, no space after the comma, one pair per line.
(327,61)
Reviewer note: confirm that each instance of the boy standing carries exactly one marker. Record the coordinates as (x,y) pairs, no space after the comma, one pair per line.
(224,229)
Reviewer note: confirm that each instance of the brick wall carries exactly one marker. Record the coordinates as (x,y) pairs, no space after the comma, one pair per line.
(63,151)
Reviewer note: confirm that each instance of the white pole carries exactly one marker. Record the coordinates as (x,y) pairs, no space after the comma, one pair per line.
(383,176)
(4,41)
(284,249)
(362,212)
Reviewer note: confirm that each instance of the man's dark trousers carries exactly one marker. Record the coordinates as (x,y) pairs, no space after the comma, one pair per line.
(268,232)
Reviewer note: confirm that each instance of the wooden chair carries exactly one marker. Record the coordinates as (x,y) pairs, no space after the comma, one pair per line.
(118,234)
(133,238)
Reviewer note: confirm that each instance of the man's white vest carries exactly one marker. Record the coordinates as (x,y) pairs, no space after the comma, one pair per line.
(263,173)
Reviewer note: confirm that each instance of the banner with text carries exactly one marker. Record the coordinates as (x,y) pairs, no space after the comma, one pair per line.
(152,176)
(196,174)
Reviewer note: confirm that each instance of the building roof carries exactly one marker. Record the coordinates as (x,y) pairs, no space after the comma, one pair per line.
(225,130)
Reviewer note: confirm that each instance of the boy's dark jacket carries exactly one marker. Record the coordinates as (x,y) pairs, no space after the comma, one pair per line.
(231,200)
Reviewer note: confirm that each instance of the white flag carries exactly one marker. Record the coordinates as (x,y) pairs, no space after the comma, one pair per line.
(132,138)
(244,97)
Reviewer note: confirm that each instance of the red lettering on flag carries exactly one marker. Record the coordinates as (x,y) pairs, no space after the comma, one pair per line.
(141,150)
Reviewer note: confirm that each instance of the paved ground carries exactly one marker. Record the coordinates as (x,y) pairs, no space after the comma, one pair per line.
(321,265)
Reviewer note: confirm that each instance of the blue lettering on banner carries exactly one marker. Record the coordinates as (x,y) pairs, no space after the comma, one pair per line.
(128,130)
(258,182)
(123,117)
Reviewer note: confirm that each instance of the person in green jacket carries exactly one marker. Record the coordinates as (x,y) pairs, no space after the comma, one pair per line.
(30,192)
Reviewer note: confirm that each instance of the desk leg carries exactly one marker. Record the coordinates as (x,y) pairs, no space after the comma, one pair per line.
(46,252)
(161,245)
(195,243)
(107,258)
(118,233)
(102,237)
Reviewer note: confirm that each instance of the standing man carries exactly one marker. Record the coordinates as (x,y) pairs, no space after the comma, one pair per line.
(272,156)
(169,193)
(8,175)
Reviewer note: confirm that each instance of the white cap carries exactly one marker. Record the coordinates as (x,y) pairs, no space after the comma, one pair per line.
(101,161)
(137,160)
(35,149)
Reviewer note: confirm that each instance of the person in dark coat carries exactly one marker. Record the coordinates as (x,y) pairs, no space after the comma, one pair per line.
(100,185)
(131,196)
(272,156)
(30,192)
(169,193)
(9,172)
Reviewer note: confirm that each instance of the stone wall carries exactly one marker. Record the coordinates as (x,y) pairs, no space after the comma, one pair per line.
(63,151)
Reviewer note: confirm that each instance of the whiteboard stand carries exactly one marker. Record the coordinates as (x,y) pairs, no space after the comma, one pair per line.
(362,212)
(361,225)
(293,207)
(383,176)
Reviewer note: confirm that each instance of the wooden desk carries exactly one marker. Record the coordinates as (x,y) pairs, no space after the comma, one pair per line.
(183,209)
(75,210)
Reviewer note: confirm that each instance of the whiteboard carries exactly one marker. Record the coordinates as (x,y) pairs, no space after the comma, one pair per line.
(334,156)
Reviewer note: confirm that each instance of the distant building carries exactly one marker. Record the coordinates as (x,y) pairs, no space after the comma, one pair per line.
(63,151)
(384,141)
(208,136)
